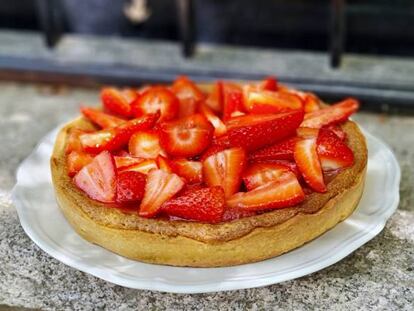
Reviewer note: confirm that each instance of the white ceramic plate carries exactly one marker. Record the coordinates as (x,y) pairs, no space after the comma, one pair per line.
(46,226)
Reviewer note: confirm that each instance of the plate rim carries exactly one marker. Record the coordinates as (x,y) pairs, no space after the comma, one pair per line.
(164,286)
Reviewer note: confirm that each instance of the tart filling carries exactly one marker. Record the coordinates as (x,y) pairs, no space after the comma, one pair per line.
(236,150)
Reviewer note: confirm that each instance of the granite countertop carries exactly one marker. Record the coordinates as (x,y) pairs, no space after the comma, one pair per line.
(378,276)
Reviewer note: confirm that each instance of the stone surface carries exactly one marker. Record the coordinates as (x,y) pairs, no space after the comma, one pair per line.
(378,276)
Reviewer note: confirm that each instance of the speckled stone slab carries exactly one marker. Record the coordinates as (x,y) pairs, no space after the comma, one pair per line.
(378,276)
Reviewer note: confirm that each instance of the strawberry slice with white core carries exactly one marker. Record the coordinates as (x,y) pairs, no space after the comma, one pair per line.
(214,100)
(191,171)
(219,126)
(262,102)
(186,137)
(164,164)
(98,178)
(259,174)
(145,144)
(307,160)
(283,192)
(224,169)
(333,152)
(122,162)
(76,160)
(100,118)
(115,101)
(333,114)
(160,187)
(143,167)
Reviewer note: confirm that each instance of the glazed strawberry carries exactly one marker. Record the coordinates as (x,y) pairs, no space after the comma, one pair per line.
(215,99)
(130,186)
(307,160)
(219,126)
(191,171)
(262,102)
(156,99)
(256,131)
(225,169)
(187,136)
(259,174)
(311,103)
(269,84)
(332,114)
(282,150)
(76,160)
(98,178)
(160,187)
(116,102)
(143,167)
(206,205)
(283,192)
(73,142)
(125,161)
(333,152)
(163,164)
(217,145)
(115,138)
(232,100)
(100,118)
(145,144)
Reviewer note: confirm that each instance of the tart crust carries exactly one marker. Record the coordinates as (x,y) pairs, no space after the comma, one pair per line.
(185,243)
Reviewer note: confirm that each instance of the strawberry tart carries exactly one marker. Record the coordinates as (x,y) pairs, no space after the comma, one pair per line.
(208,175)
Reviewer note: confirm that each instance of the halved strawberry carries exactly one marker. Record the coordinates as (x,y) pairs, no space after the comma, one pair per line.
(164,164)
(160,187)
(100,118)
(115,101)
(206,205)
(337,130)
(219,126)
(115,138)
(73,142)
(282,150)
(76,160)
(259,174)
(184,88)
(98,178)
(145,144)
(156,99)
(122,162)
(232,100)
(333,114)
(333,152)
(187,136)
(307,160)
(215,99)
(283,192)
(143,167)
(130,186)
(262,102)
(191,171)
(218,144)
(311,103)
(224,169)
(269,84)
(256,131)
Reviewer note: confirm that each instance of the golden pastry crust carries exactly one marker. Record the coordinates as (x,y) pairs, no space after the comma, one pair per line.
(185,243)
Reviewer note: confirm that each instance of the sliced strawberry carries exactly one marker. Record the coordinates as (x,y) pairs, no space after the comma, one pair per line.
(282,150)
(206,205)
(156,99)
(130,94)
(186,137)
(307,160)
(269,84)
(219,126)
(115,138)
(337,130)
(130,186)
(143,167)
(333,152)
(184,88)
(191,171)
(262,102)
(160,187)
(311,103)
(145,144)
(125,161)
(307,132)
(76,160)
(224,169)
(98,178)
(100,118)
(217,145)
(232,100)
(256,131)
(164,164)
(215,99)
(332,114)
(73,142)
(259,174)
(283,192)
(116,102)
